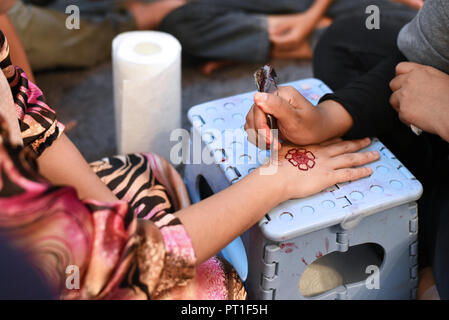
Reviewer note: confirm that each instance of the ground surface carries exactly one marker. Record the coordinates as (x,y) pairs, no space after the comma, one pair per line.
(86,96)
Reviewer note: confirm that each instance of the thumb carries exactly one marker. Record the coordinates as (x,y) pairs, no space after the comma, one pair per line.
(417,4)
(279,29)
(274,105)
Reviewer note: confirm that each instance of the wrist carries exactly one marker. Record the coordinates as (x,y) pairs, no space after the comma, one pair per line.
(335,121)
(270,183)
(320,6)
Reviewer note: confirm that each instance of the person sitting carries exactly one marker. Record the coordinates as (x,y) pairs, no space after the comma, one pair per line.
(254,31)
(52,39)
(218,31)
(384,81)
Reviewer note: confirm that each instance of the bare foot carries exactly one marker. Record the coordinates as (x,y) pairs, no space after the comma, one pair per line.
(289,33)
(324,23)
(209,67)
(148,16)
(426,288)
(69,126)
(304,51)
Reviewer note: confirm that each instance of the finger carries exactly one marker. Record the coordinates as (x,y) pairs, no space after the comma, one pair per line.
(292,96)
(274,105)
(351,174)
(257,128)
(395,100)
(349,160)
(406,67)
(278,30)
(252,135)
(260,118)
(417,4)
(403,119)
(264,137)
(261,127)
(250,117)
(274,139)
(397,82)
(285,41)
(350,146)
(249,124)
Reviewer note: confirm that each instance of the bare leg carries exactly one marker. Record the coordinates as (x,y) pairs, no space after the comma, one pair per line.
(277,24)
(303,51)
(211,66)
(149,15)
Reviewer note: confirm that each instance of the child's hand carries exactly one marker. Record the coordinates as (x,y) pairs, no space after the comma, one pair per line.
(304,171)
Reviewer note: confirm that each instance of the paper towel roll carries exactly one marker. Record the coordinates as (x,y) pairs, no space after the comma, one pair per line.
(147,90)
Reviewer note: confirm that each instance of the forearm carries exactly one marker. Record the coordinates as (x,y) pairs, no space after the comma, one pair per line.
(219,219)
(366,100)
(63,164)
(335,122)
(318,10)
(17,52)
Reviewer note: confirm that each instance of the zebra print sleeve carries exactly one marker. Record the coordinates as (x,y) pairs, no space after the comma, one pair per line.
(37,120)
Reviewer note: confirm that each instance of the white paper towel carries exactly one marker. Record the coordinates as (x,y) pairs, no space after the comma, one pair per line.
(147,90)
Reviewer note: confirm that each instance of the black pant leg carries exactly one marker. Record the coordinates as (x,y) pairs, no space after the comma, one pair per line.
(227,29)
(441,258)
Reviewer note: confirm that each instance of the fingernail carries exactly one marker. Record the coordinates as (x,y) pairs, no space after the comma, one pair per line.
(261,96)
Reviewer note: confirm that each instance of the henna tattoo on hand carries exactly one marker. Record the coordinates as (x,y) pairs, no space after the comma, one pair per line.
(301,158)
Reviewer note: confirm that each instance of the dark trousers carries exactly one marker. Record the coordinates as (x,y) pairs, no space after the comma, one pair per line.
(343,55)
(237,29)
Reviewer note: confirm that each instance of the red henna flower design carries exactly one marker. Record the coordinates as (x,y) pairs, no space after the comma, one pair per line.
(301,158)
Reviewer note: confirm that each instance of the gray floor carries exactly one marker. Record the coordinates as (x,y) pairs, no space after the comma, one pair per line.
(87,97)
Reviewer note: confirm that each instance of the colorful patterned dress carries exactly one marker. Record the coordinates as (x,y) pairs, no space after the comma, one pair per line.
(135,248)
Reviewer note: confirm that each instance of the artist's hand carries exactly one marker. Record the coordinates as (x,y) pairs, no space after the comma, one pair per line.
(421,97)
(298,120)
(5,5)
(320,166)
(416,4)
